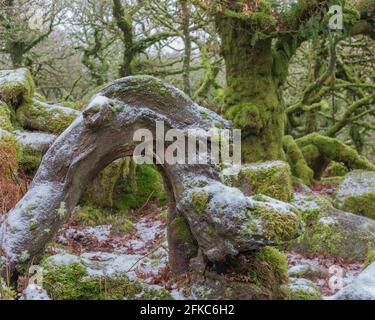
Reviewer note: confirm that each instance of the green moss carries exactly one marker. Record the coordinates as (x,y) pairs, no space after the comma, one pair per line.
(306,290)
(370,259)
(39,97)
(16,87)
(320,150)
(182,234)
(141,184)
(101,192)
(5,118)
(6,293)
(297,161)
(324,239)
(92,216)
(273,180)
(30,160)
(269,269)
(72,282)
(251,95)
(336,169)
(363,205)
(278,227)
(311,206)
(199,201)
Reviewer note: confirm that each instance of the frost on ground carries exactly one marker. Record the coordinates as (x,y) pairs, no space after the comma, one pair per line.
(321,269)
(141,254)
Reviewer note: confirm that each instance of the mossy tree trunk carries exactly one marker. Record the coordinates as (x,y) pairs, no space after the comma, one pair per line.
(252,98)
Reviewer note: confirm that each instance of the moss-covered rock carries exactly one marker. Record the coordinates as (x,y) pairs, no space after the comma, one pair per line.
(73,282)
(5,117)
(38,115)
(269,269)
(16,87)
(340,234)
(336,169)
(357,194)
(311,206)
(273,179)
(226,222)
(277,227)
(256,276)
(301,289)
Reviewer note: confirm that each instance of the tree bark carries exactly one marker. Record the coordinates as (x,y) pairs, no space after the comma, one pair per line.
(253,101)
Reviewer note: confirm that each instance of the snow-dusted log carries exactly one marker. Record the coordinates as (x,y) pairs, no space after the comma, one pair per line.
(220,223)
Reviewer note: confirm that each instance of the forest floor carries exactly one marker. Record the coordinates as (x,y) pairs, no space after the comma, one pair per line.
(143,253)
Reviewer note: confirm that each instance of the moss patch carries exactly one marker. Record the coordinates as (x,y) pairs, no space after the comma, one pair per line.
(278,227)
(72,282)
(269,178)
(199,201)
(269,270)
(141,184)
(184,237)
(5,118)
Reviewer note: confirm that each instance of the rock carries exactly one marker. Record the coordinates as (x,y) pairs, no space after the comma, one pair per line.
(308,271)
(301,289)
(257,276)
(16,87)
(51,118)
(226,222)
(34,292)
(36,141)
(311,205)
(357,193)
(273,179)
(362,288)
(338,233)
(67,277)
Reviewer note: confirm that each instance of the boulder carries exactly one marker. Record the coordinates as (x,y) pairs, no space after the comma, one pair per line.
(338,233)
(357,193)
(69,277)
(311,205)
(16,87)
(301,289)
(255,276)
(51,118)
(308,271)
(226,222)
(362,288)
(36,141)
(273,179)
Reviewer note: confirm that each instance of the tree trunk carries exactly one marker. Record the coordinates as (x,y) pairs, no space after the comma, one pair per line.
(252,98)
